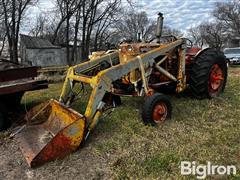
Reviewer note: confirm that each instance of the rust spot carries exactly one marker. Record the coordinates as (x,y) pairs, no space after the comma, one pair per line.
(59,147)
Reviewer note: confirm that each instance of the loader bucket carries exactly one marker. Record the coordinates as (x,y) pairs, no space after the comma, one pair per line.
(53,132)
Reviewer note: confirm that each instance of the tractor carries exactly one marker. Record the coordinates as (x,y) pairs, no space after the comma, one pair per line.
(143,69)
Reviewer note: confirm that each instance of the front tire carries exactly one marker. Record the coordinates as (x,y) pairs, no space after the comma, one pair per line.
(208,74)
(156,109)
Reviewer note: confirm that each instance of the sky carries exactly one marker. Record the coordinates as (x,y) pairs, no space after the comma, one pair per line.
(178,14)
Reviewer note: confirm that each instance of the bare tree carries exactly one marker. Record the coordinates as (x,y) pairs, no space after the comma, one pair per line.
(3,37)
(45,27)
(132,24)
(39,28)
(195,35)
(101,28)
(226,23)
(66,8)
(13,14)
(93,13)
(228,13)
(171,31)
(3,34)
(76,31)
(87,21)
(135,23)
(211,34)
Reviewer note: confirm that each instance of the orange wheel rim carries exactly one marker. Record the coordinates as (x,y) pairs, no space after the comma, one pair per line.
(216,79)
(159,113)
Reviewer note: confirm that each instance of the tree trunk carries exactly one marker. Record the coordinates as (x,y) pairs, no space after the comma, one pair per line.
(3,45)
(96,42)
(83,54)
(74,51)
(13,33)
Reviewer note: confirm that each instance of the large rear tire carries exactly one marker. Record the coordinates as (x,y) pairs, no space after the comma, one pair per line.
(208,74)
(156,109)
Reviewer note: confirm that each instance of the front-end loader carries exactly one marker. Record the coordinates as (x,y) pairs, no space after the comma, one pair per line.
(135,69)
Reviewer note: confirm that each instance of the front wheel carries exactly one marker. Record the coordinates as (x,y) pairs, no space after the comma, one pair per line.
(156,109)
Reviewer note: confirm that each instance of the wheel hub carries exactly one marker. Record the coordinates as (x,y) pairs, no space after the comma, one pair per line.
(215,79)
(160,113)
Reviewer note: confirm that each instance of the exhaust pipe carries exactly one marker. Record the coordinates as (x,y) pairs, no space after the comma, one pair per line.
(159,27)
(139,37)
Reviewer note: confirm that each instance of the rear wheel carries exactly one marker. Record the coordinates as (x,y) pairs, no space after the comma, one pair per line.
(156,109)
(209,74)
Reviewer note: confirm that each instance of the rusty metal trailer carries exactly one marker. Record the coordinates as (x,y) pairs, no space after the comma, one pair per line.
(14,81)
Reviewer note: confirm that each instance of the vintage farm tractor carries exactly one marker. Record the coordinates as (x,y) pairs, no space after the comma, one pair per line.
(135,69)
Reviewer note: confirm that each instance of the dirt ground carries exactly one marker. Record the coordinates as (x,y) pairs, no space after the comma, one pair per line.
(122,147)
(83,164)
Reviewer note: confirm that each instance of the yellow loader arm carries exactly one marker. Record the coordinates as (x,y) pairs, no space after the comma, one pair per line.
(102,82)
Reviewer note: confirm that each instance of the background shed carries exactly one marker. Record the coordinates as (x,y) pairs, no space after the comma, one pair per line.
(41,52)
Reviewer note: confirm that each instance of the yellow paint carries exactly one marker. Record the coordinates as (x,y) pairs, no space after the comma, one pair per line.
(75,132)
(95,120)
(71,122)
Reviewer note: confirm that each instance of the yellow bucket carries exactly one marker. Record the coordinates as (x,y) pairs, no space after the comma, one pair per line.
(53,132)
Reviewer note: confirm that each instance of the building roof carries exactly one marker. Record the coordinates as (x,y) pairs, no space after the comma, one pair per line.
(36,43)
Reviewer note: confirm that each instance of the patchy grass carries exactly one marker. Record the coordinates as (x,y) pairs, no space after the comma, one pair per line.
(122,147)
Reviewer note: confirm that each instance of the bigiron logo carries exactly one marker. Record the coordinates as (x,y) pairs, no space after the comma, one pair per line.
(202,171)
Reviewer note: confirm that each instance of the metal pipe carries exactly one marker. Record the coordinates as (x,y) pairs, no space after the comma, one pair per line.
(162,60)
(166,73)
(158,85)
(159,27)
(81,79)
